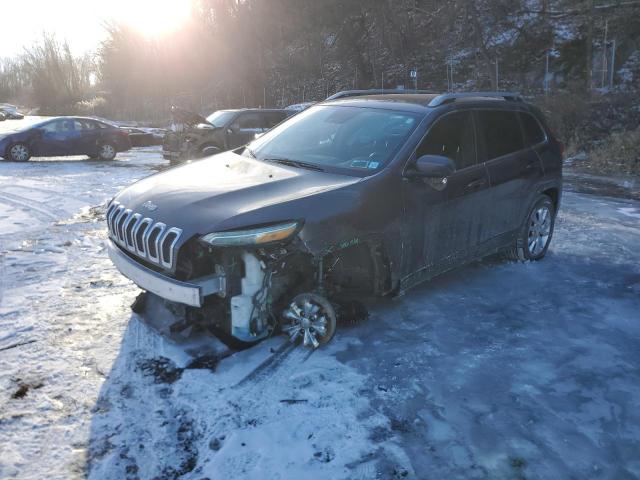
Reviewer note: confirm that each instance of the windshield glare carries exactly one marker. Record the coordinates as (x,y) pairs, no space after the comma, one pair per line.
(220,118)
(353,138)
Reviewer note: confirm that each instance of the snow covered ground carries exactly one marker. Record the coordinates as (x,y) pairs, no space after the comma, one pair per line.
(498,370)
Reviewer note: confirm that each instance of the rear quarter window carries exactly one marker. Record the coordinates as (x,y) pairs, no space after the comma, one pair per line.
(532,131)
(501,132)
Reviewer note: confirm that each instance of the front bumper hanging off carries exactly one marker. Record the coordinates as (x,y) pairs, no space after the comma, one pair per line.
(189,293)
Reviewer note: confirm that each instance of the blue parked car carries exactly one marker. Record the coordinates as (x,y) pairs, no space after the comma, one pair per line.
(59,136)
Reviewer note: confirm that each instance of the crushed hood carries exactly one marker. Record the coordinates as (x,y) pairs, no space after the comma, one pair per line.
(228,191)
(188,118)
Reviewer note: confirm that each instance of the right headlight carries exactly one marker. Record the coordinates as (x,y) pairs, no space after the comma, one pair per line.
(254,236)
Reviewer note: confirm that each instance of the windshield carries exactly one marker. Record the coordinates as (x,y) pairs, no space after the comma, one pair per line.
(329,136)
(220,118)
(22,124)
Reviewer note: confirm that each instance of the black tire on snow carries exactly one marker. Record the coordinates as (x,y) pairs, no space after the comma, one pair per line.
(521,250)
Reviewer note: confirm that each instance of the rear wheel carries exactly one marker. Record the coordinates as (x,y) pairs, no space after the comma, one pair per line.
(106,151)
(19,152)
(535,236)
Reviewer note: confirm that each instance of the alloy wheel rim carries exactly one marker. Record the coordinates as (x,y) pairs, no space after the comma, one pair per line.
(19,152)
(539,230)
(308,320)
(106,151)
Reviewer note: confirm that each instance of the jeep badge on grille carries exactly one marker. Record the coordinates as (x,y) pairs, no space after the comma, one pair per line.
(150,206)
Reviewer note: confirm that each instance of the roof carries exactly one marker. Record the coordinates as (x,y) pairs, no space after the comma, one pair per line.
(371,91)
(252,110)
(420,102)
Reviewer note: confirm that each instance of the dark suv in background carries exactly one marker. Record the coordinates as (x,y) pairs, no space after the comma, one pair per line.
(349,198)
(197,137)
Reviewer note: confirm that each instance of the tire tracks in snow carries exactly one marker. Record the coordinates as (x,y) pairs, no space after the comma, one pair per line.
(41,210)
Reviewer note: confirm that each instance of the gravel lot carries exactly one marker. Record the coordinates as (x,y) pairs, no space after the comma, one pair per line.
(498,370)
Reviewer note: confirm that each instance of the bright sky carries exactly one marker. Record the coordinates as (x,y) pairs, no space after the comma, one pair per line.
(80,21)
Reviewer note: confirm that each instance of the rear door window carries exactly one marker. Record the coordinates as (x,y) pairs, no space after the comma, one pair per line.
(501,132)
(249,121)
(532,131)
(453,137)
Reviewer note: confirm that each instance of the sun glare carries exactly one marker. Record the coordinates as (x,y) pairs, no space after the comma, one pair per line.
(153,18)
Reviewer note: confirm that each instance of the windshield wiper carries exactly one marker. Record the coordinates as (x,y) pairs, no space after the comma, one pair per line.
(295,163)
(250,152)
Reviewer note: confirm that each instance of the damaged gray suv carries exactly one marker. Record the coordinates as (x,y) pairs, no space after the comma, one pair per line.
(350,198)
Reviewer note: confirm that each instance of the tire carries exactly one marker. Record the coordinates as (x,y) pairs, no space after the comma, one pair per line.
(209,150)
(536,232)
(18,152)
(106,151)
(313,326)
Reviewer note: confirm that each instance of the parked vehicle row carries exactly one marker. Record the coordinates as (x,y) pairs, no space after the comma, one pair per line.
(349,198)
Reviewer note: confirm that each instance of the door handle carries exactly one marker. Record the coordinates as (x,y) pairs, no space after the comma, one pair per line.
(476,183)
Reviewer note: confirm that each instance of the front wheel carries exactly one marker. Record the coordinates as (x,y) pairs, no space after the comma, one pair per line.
(19,152)
(535,236)
(106,151)
(209,150)
(309,318)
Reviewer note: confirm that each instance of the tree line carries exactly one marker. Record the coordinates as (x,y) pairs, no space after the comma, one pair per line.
(234,53)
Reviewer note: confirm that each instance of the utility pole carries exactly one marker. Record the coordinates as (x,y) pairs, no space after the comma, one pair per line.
(604,54)
(355,79)
(612,63)
(448,81)
(546,74)
(382,81)
(497,76)
(589,41)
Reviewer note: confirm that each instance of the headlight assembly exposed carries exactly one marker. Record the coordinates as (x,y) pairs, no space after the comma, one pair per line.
(255,236)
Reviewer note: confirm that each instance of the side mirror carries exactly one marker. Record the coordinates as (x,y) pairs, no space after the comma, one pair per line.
(432,166)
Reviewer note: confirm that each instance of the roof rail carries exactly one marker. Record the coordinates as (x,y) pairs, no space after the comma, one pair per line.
(374,91)
(452,97)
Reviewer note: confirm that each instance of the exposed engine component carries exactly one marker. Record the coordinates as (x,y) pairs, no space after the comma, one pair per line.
(249,309)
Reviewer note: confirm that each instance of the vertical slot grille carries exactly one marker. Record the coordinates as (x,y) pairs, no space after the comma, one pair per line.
(153,241)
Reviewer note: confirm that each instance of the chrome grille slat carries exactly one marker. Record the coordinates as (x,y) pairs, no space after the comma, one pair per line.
(121,223)
(142,249)
(128,232)
(126,227)
(168,263)
(158,226)
(116,222)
